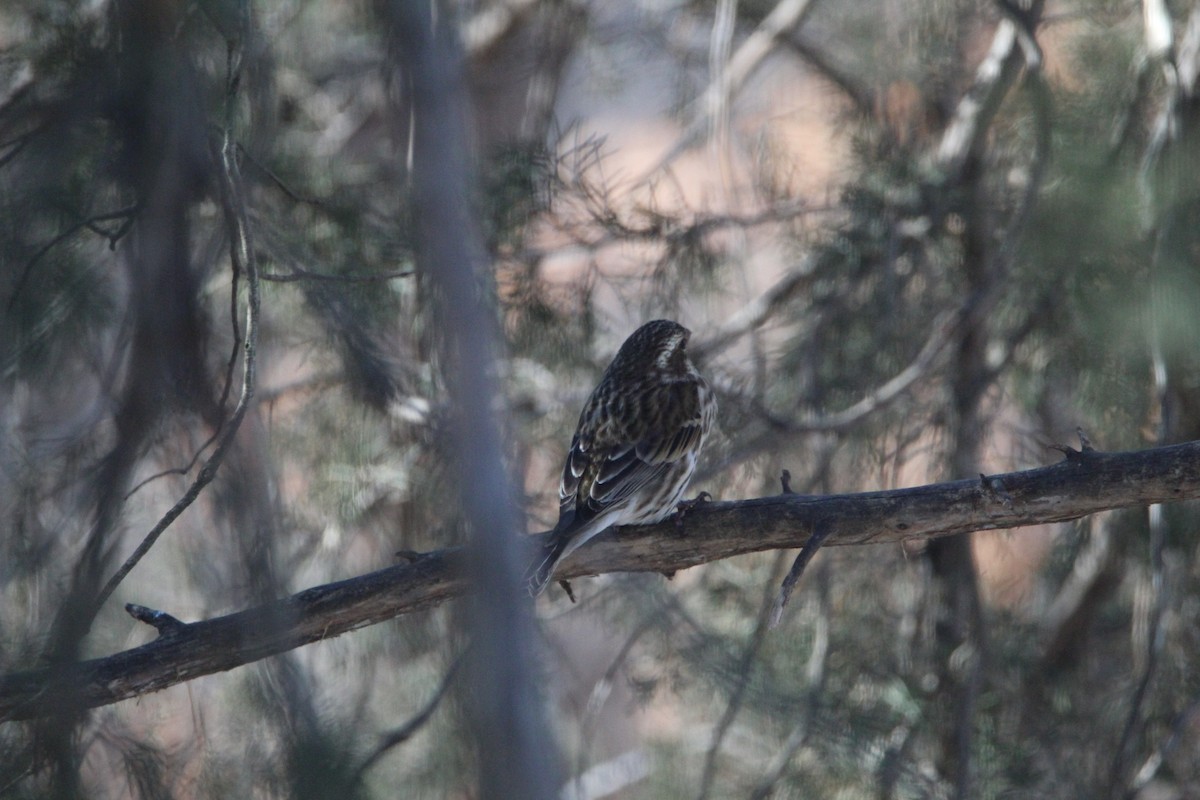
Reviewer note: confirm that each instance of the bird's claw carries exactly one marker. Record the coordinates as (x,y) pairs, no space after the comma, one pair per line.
(684,506)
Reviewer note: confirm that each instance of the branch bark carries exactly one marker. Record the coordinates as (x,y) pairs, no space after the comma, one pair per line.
(1084,483)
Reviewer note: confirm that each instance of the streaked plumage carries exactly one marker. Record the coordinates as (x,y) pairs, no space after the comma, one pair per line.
(636,443)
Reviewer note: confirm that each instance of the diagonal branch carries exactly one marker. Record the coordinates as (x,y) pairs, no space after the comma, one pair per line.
(784,18)
(1083,484)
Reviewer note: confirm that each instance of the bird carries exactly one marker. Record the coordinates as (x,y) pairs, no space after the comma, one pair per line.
(636,444)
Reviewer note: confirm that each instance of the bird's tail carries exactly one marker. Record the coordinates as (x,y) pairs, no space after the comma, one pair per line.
(568,536)
(539,575)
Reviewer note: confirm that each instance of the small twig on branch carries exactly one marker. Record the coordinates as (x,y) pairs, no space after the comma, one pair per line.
(819,535)
(1071,454)
(161,621)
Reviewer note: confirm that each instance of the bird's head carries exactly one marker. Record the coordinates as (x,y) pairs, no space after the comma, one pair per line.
(658,345)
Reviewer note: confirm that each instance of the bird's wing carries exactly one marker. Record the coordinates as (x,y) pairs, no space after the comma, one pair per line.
(597,476)
(679,429)
(621,459)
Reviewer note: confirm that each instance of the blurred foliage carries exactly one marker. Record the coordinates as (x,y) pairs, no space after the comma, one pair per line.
(1086,294)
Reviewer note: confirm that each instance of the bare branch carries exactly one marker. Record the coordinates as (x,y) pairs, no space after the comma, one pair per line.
(298,274)
(784,18)
(750,654)
(243,258)
(1152,645)
(1079,599)
(1083,484)
(402,734)
(859,94)
(752,316)
(90,223)
(816,671)
(993,78)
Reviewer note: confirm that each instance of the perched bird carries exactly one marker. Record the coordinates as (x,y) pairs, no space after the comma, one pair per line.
(636,443)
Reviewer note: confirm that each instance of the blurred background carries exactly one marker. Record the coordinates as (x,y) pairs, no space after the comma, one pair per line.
(915,241)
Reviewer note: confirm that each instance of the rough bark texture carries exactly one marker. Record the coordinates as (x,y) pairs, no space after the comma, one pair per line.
(1082,484)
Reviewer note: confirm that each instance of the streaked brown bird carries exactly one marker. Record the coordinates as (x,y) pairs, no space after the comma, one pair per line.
(636,443)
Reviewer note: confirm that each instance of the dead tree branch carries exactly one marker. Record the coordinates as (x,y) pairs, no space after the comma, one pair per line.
(1084,483)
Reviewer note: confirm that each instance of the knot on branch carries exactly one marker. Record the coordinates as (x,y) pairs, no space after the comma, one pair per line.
(1078,456)
(993,489)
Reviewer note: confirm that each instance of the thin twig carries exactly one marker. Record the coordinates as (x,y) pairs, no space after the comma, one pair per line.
(1134,721)
(184,470)
(279,182)
(243,259)
(1179,730)
(819,534)
(604,684)
(944,329)
(299,274)
(782,19)
(744,670)
(126,213)
(815,673)
(400,735)
(752,315)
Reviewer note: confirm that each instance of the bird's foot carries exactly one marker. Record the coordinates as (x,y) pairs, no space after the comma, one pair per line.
(684,506)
